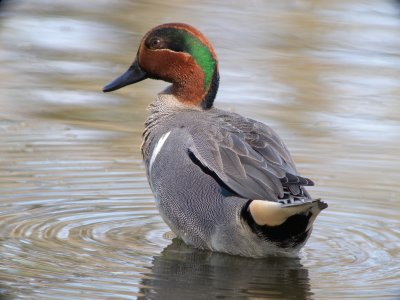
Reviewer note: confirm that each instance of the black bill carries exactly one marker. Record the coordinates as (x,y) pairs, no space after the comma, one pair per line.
(132,75)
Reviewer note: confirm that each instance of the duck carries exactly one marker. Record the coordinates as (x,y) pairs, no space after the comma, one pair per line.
(221,181)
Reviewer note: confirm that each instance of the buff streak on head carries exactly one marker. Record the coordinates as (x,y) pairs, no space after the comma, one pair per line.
(179,54)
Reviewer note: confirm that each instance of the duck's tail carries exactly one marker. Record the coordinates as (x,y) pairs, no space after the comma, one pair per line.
(288,225)
(276,213)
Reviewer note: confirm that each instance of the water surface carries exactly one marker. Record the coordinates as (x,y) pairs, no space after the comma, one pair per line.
(77,218)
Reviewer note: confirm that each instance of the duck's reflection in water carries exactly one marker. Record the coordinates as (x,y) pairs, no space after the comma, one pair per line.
(181,272)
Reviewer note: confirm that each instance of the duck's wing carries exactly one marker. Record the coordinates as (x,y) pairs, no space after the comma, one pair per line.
(247,156)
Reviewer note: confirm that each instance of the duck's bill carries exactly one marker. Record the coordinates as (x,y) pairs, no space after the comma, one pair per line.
(132,75)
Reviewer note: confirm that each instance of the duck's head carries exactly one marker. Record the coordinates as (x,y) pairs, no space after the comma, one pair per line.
(181,55)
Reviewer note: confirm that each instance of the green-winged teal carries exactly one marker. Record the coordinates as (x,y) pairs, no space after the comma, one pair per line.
(222,182)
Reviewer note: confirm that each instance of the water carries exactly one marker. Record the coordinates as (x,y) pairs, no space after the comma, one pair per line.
(77,218)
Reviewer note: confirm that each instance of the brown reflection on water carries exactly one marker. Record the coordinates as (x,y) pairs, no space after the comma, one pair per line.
(77,218)
(214,275)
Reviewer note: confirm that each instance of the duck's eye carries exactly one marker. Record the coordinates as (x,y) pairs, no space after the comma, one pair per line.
(155,43)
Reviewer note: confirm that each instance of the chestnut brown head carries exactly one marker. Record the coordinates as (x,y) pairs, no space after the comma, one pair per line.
(179,54)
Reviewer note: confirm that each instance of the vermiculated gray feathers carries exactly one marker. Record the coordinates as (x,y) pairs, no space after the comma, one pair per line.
(246,155)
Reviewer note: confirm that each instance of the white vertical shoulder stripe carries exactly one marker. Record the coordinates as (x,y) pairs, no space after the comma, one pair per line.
(157,148)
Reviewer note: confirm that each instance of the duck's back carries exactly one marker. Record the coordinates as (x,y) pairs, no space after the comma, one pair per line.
(246,155)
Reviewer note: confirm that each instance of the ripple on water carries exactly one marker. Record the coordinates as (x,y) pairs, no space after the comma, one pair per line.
(67,224)
(76,241)
(361,250)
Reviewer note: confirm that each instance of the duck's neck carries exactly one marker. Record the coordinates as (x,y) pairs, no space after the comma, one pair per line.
(195,89)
